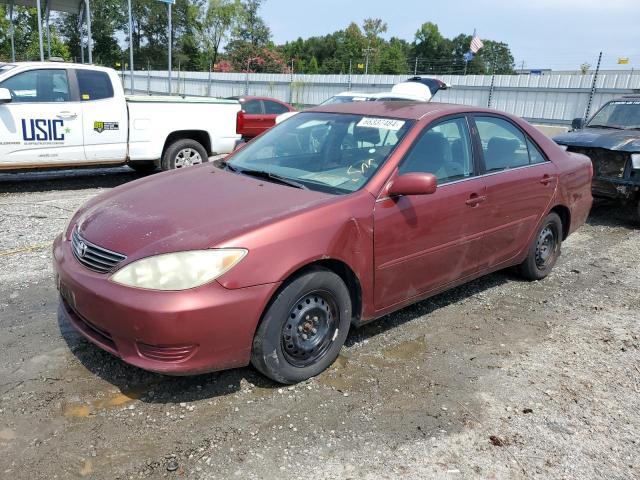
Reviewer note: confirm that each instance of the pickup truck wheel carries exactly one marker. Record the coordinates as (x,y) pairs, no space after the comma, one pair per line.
(143,167)
(544,250)
(304,328)
(183,153)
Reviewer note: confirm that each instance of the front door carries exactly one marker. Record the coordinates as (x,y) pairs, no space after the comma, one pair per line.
(520,184)
(42,125)
(425,242)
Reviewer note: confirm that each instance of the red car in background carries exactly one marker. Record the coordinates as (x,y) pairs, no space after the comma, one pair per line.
(258,114)
(339,215)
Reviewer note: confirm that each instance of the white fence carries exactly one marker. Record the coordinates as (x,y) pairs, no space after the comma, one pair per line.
(550,98)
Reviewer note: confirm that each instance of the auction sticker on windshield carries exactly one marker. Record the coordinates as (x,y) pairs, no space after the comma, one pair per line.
(387,123)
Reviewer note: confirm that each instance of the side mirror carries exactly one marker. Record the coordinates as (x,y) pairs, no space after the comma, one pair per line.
(5,95)
(413,184)
(577,124)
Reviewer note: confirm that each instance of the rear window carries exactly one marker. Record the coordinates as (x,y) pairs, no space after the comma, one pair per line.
(94,85)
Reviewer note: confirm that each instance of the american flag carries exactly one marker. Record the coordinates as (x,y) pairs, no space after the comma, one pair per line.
(476,44)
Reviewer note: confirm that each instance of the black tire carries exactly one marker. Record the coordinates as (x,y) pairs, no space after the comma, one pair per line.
(636,211)
(544,250)
(315,305)
(143,167)
(173,157)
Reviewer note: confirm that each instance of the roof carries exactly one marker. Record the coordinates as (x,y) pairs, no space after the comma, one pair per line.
(57,64)
(397,109)
(245,98)
(69,6)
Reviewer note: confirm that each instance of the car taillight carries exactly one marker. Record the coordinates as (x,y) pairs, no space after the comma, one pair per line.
(239,122)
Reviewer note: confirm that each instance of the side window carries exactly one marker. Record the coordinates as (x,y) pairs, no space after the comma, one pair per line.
(503,144)
(535,155)
(94,85)
(274,108)
(444,150)
(252,107)
(39,86)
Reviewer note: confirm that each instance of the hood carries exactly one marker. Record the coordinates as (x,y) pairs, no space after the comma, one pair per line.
(195,208)
(610,139)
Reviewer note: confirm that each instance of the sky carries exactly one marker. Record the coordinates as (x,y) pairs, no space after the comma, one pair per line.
(557,34)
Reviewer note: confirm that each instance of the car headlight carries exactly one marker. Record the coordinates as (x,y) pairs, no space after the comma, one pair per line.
(179,270)
(635,160)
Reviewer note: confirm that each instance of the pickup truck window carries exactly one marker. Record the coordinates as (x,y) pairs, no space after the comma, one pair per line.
(94,85)
(44,86)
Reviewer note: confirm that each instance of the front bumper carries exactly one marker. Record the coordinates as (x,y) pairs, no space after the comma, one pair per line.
(181,333)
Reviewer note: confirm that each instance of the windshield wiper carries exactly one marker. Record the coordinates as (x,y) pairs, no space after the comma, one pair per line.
(269,176)
(604,126)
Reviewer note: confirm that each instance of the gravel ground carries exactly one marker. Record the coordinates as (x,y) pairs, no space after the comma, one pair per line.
(500,378)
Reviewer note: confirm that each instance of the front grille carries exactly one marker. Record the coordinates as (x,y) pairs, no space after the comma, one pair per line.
(92,256)
(606,163)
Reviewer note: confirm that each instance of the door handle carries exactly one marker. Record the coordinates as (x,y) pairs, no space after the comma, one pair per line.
(474,200)
(67,115)
(546,179)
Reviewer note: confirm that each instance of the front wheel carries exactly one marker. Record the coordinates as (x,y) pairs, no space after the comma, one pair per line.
(304,328)
(183,153)
(544,250)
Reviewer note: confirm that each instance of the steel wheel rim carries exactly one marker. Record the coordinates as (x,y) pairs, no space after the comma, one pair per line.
(546,246)
(310,328)
(187,157)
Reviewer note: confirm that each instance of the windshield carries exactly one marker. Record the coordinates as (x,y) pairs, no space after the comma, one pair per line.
(621,114)
(330,152)
(344,99)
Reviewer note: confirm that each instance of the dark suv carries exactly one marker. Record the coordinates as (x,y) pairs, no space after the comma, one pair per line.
(611,138)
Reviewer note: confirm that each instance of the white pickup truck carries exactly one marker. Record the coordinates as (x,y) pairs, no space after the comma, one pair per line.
(65,115)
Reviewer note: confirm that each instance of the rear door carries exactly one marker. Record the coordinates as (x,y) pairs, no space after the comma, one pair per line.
(425,242)
(253,122)
(520,183)
(104,116)
(42,125)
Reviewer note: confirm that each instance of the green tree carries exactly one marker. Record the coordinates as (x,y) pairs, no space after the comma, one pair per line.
(393,59)
(250,27)
(107,18)
(313,66)
(433,50)
(496,58)
(216,24)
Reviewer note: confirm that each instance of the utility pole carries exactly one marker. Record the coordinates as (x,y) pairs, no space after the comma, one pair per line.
(366,52)
(350,68)
(170,42)
(130,49)
(12,32)
(40,30)
(415,68)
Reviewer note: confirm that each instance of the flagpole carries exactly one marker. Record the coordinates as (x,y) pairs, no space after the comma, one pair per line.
(466,60)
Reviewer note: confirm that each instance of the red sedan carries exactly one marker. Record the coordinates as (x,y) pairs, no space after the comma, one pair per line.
(258,114)
(333,218)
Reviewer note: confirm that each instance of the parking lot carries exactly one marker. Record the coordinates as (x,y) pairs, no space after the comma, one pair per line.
(500,378)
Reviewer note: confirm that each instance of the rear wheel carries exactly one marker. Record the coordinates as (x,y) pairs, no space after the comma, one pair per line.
(304,328)
(544,250)
(183,153)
